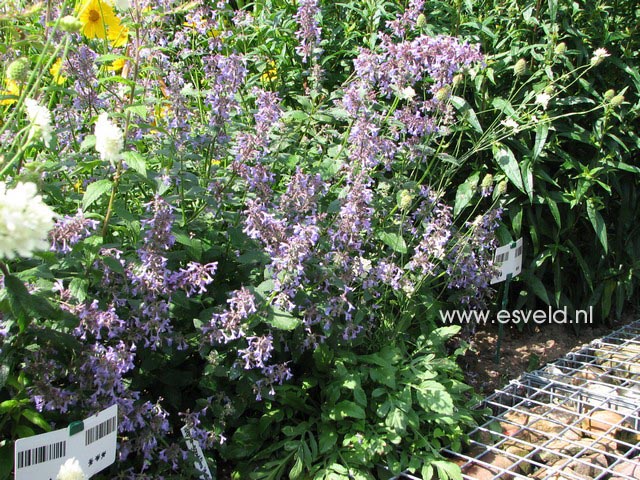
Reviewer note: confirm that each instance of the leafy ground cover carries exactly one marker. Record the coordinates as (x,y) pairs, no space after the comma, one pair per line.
(247,218)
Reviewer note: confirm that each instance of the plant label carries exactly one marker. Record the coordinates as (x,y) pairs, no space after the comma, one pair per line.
(194,447)
(92,442)
(508,260)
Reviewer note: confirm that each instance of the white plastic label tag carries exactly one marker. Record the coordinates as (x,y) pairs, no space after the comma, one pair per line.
(194,447)
(92,442)
(508,259)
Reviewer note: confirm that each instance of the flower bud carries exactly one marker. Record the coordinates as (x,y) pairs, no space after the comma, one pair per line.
(404,199)
(18,70)
(560,49)
(617,100)
(70,24)
(502,187)
(609,94)
(457,79)
(520,67)
(443,94)
(421,20)
(486,187)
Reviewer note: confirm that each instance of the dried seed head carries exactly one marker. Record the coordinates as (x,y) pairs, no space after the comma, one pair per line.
(520,67)
(443,94)
(18,70)
(617,100)
(560,49)
(70,24)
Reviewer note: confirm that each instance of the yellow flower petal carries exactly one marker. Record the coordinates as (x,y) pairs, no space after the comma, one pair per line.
(118,35)
(55,72)
(96,17)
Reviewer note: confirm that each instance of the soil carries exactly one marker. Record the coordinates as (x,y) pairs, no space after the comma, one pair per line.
(524,350)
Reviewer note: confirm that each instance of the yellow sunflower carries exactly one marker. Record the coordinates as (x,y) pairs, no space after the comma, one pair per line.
(96,17)
(118,35)
(55,72)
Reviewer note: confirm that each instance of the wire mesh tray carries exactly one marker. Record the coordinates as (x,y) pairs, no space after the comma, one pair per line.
(576,418)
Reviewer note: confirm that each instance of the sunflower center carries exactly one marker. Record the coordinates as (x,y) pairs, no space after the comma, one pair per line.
(94,15)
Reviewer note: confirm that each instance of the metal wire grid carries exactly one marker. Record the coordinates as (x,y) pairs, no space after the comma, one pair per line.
(573,419)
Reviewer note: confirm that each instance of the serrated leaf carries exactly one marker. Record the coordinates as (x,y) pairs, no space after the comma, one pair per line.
(465,193)
(393,240)
(136,161)
(94,191)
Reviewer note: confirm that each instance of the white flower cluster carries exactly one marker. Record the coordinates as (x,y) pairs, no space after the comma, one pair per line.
(109,139)
(25,221)
(40,118)
(71,470)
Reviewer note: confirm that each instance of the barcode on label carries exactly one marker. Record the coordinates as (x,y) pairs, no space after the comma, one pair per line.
(519,251)
(99,431)
(45,453)
(503,257)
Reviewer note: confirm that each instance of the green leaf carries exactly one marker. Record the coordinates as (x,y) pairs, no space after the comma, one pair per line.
(509,165)
(94,191)
(447,470)
(555,212)
(467,112)
(393,240)
(136,162)
(434,397)
(396,420)
(327,438)
(345,409)
(598,224)
(538,288)
(542,131)
(465,193)
(37,419)
(282,320)
(296,470)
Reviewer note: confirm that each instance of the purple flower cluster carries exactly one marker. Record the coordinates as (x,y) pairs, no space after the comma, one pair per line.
(70,230)
(309,31)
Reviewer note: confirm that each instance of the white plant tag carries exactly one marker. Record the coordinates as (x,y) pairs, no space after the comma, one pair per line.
(95,446)
(92,442)
(194,446)
(508,259)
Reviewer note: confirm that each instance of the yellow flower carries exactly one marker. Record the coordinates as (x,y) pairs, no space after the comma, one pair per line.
(117,65)
(118,35)
(55,72)
(12,88)
(96,17)
(270,73)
